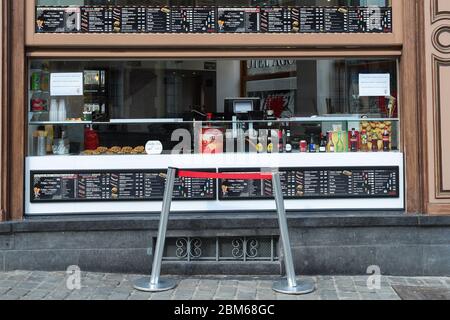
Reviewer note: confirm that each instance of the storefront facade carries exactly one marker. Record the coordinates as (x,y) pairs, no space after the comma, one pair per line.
(346,98)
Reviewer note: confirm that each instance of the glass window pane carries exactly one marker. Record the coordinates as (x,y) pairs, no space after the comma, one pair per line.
(125,103)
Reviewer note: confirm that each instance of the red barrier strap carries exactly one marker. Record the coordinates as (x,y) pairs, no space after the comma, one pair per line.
(233,176)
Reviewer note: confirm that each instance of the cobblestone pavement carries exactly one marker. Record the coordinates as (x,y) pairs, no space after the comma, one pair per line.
(38,285)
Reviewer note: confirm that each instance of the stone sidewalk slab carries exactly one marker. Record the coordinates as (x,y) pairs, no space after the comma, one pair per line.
(38,285)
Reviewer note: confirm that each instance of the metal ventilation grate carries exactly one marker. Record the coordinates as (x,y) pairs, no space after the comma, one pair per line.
(221,249)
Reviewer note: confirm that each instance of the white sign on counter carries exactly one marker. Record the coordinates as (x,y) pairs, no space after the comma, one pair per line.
(374,84)
(66,84)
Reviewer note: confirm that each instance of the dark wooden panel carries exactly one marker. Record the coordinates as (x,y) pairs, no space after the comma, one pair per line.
(17,129)
(411,114)
(4,67)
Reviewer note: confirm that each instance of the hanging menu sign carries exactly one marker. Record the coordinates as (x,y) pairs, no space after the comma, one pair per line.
(96,19)
(50,19)
(116,186)
(133,19)
(378,19)
(335,20)
(204,20)
(238,20)
(356,21)
(318,183)
(311,19)
(158,19)
(181,19)
(279,19)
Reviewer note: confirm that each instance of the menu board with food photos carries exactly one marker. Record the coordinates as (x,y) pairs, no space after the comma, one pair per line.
(202,19)
(335,19)
(356,20)
(311,20)
(96,19)
(378,19)
(158,19)
(133,19)
(317,183)
(369,20)
(238,20)
(58,19)
(136,185)
(280,19)
(181,19)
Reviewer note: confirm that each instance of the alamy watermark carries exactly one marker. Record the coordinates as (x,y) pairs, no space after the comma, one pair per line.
(374,280)
(73,281)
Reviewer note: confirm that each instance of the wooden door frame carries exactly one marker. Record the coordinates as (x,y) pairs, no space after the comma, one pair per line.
(412,126)
(14,115)
(13,111)
(4,16)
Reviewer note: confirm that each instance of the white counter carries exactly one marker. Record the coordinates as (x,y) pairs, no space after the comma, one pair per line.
(283,160)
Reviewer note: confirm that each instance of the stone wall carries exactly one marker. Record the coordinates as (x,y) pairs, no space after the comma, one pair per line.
(325,243)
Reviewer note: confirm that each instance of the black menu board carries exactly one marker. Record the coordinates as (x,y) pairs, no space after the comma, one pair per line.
(50,19)
(370,19)
(49,187)
(279,19)
(356,21)
(204,20)
(238,20)
(311,19)
(158,19)
(181,19)
(150,19)
(236,189)
(195,188)
(318,183)
(145,185)
(378,19)
(133,19)
(335,19)
(96,19)
(90,186)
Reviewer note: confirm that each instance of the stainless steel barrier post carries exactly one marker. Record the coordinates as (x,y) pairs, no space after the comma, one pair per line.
(154,283)
(291,285)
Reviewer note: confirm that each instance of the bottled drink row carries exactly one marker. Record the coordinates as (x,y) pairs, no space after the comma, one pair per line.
(282,141)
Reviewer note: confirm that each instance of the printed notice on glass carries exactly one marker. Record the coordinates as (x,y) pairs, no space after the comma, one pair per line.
(374,84)
(66,84)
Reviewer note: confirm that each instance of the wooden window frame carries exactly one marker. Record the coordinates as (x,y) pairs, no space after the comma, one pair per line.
(26,44)
(171,40)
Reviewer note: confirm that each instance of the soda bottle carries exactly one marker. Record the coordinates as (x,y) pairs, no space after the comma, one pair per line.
(364,140)
(374,142)
(386,141)
(312,144)
(323,143)
(269,142)
(353,141)
(330,139)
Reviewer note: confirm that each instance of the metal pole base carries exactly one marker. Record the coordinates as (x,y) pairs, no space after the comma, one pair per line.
(144,284)
(303,287)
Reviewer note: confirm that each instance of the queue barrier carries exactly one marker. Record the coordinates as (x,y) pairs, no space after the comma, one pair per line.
(287,286)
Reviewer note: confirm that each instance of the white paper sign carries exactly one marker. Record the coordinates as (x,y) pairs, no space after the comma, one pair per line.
(66,84)
(374,85)
(154,147)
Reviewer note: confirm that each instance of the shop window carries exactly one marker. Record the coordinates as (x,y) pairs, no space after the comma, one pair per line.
(90,107)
